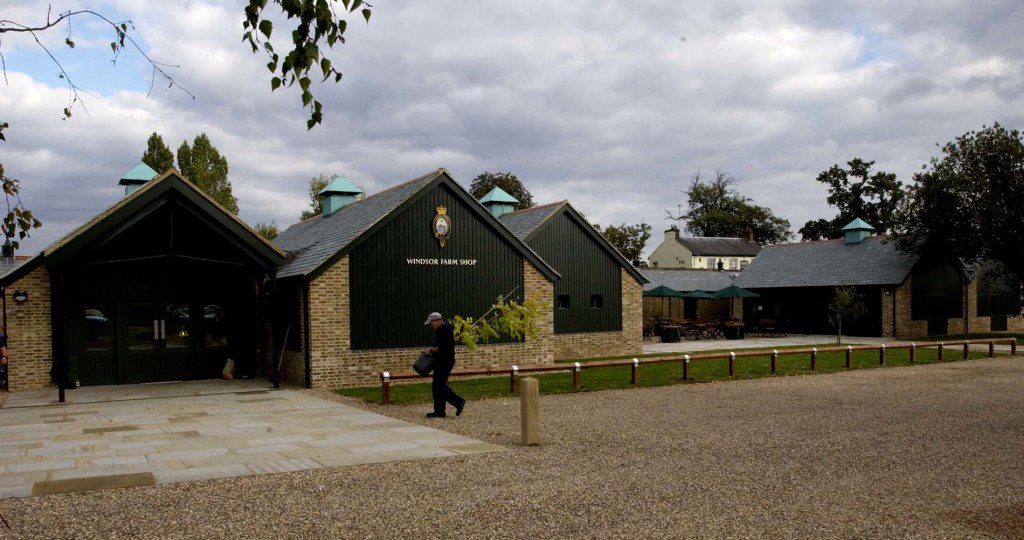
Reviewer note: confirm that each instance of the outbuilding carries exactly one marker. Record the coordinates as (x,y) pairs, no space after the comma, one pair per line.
(901,295)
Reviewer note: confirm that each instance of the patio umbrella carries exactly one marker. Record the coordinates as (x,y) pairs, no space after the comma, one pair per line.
(662,291)
(700,295)
(733,291)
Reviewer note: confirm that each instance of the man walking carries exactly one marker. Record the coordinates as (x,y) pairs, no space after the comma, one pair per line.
(443,353)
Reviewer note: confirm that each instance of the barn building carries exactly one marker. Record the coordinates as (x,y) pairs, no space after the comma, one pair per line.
(167,285)
(901,295)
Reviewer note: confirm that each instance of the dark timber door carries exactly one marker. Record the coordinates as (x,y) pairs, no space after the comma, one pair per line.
(158,343)
(98,360)
(998,311)
(938,323)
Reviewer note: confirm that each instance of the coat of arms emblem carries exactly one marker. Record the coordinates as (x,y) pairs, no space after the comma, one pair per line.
(442,225)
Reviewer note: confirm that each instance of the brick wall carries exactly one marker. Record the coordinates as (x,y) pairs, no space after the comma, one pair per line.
(628,341)
(30,355)
(976,322)
(334,365)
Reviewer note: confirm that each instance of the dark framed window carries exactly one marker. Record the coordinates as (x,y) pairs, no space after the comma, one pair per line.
(562,301)
(596,301)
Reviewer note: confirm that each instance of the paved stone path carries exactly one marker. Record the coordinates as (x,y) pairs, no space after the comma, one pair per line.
(54,449)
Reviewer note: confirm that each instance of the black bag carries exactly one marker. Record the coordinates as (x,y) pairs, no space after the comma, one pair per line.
(424,364)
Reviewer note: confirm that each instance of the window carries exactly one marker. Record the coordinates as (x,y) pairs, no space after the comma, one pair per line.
(743,264)
(99,332)
(711,263)
(562,301)
(596,301)
(733,264)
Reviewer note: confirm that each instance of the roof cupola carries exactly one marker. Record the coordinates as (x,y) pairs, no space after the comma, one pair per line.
(340,192)
(498,202)
(856,231)
(133,179)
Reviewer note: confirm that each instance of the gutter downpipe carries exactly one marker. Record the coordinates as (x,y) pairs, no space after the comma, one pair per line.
(305,338)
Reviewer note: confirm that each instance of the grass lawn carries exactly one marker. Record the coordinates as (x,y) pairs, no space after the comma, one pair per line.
(661,374)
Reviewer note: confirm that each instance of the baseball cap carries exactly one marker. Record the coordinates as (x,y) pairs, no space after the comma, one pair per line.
(435,316)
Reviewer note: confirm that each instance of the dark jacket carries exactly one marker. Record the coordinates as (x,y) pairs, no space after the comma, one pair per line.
(444,340)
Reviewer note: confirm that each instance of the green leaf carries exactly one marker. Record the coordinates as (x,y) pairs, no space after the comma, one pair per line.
(325,66)
(266,27)
(69,42)
(113,46)
(304,84)
(275,83)
(366,14)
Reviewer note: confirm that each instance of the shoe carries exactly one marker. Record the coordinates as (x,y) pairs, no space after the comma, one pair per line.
(435,415)
(459,407)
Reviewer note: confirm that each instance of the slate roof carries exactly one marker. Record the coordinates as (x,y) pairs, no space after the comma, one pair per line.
(313,241)
(687,280)
(827,263)
(717,245)
(524,222)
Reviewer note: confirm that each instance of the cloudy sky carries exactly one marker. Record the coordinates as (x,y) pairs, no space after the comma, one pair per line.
(613,105)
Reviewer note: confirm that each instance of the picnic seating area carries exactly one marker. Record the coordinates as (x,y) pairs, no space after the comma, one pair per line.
(671,316)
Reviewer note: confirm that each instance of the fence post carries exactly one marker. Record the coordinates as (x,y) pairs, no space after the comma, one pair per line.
(529,412)
(513,378)
(849,356)
(991,348)
(775,360)
(686,367)
(967,350)
(385,388)
(814,359)
(881,355)
(636,372)
(576,376)
(913,352)
(939,352)
(1013,347)
(732,364)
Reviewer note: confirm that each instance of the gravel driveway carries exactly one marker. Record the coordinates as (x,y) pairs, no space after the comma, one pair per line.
(934,450)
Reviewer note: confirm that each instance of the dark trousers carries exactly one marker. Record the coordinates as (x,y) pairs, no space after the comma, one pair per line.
(442,392)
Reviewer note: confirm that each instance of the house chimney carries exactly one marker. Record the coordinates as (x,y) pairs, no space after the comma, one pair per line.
(498,202)
(340,192)
(672,233)
(856,231)
(750,234)
(135,178)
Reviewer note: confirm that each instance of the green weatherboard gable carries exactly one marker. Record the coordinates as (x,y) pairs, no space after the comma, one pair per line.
(400,273)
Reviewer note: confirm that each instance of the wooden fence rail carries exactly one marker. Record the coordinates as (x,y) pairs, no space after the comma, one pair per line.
(514,371)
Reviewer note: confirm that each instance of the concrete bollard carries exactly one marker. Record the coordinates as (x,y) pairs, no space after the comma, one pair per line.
(967,351)
(849,357)
(686,368)
(814,359)
(881,355)
(513,379)
(913,352)
(775,361)
(732,364)
(635,372)
(529,410)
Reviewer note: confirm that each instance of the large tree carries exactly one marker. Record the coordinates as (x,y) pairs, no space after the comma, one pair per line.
(857,193)
(314,27)
(716,208)
(208,170)
(157,154)
(508,182)
(267,230)
(316,204)
(630,240)
(967,204)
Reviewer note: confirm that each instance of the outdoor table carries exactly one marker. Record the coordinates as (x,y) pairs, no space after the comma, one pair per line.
(670,333)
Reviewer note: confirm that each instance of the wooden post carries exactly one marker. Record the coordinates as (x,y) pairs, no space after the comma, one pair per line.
(513,378)
(967,351)
(881,355)
(913,352)
(385,388)
(939,351)
(775,360)
(686,368)
(991,348)
(576,376)
(849,356)
(814,359)
(529,411)
(635,372)
(1013,347)
(732,364)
